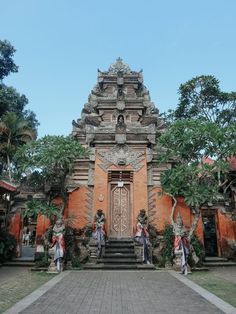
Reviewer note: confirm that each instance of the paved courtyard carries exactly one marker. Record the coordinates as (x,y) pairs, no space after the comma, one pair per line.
(119,292)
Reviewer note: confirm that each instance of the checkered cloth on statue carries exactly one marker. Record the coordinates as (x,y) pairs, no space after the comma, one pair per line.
(99,232)
(99,223)
(142,235)
(141,227)
(58,241)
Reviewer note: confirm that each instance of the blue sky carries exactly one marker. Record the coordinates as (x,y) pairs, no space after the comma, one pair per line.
(61,44)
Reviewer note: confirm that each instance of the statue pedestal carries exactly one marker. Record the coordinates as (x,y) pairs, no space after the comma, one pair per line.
(138,249)
(177,263)
(54,267)
(93,251)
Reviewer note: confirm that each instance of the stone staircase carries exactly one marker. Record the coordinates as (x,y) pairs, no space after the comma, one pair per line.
(26,260)
(119,254)
(214,261)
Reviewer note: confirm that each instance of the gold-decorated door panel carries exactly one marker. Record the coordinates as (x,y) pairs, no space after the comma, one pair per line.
(120,211)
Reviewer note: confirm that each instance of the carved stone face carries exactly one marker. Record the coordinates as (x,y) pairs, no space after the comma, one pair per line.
(58,222)
(99,212)
(142,212)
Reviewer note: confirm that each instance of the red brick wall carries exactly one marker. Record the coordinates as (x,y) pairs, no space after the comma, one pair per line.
(78,207)
(226,234)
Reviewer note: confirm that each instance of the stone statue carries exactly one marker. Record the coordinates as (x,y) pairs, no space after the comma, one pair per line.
(142,235)
(58,243)
(99,232)
(181,245)
(120,126)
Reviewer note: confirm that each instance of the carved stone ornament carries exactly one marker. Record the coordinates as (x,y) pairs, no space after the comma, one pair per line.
(101,197)
(119,66)
(120,105)
(121,155)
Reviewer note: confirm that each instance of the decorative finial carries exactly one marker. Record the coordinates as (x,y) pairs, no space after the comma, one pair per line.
(119,66)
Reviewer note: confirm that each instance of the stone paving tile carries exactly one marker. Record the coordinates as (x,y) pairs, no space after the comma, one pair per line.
(120,293)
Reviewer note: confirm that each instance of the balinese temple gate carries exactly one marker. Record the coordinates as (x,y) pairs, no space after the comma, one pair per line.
(119,125)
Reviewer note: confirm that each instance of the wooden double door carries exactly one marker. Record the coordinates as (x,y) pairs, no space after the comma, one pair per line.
(120,210)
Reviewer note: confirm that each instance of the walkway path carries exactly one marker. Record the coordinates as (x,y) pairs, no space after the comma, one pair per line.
(118,292)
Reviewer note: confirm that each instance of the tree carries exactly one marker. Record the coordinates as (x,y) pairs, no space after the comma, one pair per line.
(37,207)
(53,156)
(201,98)
(14,132)
(202,126)
(10,99)
(7,64)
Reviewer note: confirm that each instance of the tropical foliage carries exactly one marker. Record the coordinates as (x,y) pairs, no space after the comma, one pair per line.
(14,132)
(52,157)
(200,140)
(37,207)
(7,246)
(7,64)
(17,125)
(201,98)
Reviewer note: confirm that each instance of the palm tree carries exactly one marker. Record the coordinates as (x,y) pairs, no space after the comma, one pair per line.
(15,131)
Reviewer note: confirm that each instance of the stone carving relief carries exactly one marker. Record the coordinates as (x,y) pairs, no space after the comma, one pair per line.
(119,66)
(89,206)
(120,105)
(121,155)
(91,175)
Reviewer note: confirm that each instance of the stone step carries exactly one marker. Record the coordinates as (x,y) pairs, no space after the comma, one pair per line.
(215,259)
(120,240)
(119,245)
(145,267)
(119,255)
(119,252)
(23,259)
(118,260)
(218,264)
(19,264)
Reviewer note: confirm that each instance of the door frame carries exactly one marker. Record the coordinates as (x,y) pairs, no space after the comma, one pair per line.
(212,212)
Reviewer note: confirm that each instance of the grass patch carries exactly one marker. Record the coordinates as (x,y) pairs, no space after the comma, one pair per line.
(222,288)
(15,289)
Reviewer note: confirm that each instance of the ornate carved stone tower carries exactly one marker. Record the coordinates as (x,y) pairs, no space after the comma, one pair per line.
(119,125)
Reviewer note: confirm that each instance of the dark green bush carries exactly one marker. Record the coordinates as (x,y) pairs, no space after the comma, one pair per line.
(70,243)
(38,256)
(75,262)
(198,248)
(153,235)
(43,262)
(168,250)
(7,246)
(168,236)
